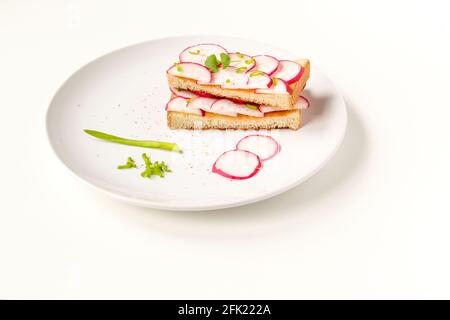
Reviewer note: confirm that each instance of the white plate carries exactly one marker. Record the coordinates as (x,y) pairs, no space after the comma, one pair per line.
(124,93)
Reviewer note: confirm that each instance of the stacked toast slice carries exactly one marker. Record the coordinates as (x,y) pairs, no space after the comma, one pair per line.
(216,89)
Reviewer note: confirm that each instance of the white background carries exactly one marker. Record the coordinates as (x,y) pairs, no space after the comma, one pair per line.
(374,223)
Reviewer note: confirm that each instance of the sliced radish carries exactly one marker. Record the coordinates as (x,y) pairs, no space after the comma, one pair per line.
(241,61)
(183,93)
(267,109)
(278,86)
(203,94)
(228,78)
(288,71)
(225,107)
(265,63)
(258,80)
(302,103)
(200,52)
(237,164)
(190,70)
(179,104)
(265,147)
(201,103)
(249,110)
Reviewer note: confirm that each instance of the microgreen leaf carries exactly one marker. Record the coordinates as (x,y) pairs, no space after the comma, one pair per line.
(224,60)
(211,63)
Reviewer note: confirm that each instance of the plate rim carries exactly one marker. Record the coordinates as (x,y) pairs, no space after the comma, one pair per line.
(159,205)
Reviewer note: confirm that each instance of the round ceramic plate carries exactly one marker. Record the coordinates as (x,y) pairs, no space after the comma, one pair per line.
(124,93)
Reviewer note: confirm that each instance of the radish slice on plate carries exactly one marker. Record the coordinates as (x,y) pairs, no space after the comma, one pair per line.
(179,104)
(302,103)
(265,147)
(258,80)
(241,61)
(265,63)
(237,164)
(225,107)
(200,52)
(183,93)
(278,86)
(191,71)
(288,71)
(201,103)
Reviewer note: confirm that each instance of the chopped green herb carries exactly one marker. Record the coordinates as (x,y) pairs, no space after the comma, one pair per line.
(153,169)
(251,106)
(130,164)
(256,73)
(249,61)
(224,60)
(274,81)
(211,63)
(241,69)
(179,68)
(195,53)
(137,143)
(228,81)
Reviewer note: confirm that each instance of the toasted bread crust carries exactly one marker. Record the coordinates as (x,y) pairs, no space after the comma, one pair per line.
(281,101)
(290,119)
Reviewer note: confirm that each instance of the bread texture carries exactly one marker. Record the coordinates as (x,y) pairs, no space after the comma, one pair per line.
(281,101)
(290,119)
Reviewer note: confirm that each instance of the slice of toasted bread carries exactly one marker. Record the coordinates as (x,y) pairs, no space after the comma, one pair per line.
(272,120)
(282,101)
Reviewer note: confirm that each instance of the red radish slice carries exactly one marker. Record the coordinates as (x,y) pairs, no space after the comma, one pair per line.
(267,64)
(229,78)
(201,103)
(183,93)
(302,103)
(265,147)
(225,107)
(258,80)
(179,104)
(278,86)
(241,61)
(237,164)
(242,108)
(200,52)
(267,109)
(203,94)
(191,70)
(288,71)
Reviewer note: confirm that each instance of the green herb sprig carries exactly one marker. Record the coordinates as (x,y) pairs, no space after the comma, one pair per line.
(169,146)
(153,169)
(130,164)
(213,64)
